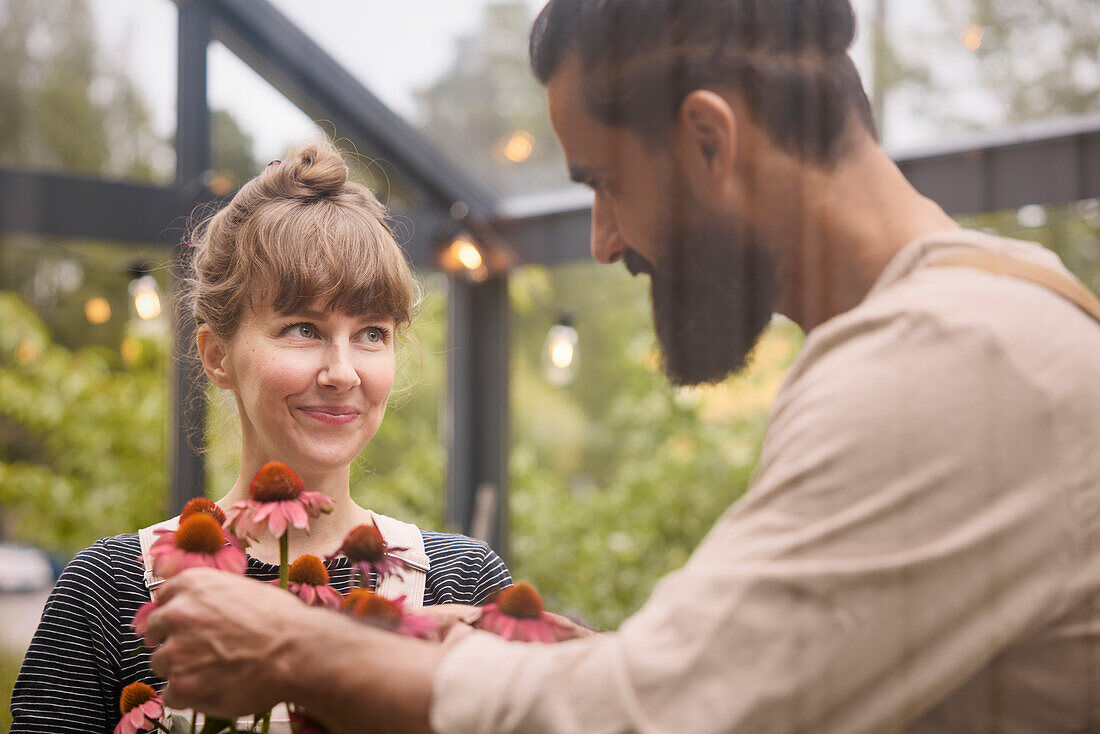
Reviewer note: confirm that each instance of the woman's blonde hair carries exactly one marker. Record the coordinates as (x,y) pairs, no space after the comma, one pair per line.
(298,235)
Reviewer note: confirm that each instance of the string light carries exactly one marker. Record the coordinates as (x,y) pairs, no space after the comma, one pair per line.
(519,147)
(972,37)
(146,297)
(97,310)
(466,253)
(464,256)
(559,353)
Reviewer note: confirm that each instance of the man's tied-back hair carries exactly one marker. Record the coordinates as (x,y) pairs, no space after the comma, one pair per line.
(787,59)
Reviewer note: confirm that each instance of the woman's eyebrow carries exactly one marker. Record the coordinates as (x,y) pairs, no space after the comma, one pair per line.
(308,313)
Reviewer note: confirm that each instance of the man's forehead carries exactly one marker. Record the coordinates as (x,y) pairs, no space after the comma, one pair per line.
(585,140)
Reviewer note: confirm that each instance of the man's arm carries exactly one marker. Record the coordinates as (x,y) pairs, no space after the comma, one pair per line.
(905,526)
(231,646)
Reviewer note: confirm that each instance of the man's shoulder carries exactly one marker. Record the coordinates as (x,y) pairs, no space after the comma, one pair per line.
(917,306)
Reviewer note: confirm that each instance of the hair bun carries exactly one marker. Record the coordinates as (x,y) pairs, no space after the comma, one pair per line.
(314,170)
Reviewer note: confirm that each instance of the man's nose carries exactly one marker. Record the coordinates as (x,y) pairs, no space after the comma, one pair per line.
(607,244)
(338,370)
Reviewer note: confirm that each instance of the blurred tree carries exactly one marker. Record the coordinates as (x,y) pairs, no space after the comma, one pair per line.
(1039,59)
(488,110)
(78,434)
(231,149)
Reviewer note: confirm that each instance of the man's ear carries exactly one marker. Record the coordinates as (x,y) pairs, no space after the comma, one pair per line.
(706,131)
(213,355)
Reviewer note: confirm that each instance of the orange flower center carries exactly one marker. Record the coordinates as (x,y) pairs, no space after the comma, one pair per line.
(369,607)
(364,543)
(520,601)
(200,534)
(202,506)
(134,695)
(275,482)
(308,570)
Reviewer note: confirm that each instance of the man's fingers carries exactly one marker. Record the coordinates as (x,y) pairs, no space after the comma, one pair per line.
(160,663)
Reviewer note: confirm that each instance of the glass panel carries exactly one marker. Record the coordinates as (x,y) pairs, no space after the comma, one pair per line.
(953,68)
(631,471)
(430,60)
(88,86)
(251,122)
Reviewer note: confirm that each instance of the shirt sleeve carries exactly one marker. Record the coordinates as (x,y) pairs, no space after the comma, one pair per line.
(70,672)
(493,577)
(904,526)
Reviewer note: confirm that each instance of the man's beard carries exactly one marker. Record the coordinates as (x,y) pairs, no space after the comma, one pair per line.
(712,295)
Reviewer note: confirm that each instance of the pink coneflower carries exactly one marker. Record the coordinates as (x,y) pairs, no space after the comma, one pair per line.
(199,541)
(309,580)
(140,621)
(367,551)
(141,708)
(518,614)
(202,506)
(388,614)
(277,498)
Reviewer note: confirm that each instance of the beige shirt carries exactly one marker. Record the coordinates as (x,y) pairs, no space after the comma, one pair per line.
(919,550)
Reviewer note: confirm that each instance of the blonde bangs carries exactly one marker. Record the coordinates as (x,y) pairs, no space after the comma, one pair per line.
(323,254)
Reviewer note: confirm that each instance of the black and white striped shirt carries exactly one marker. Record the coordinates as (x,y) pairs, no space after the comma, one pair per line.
(84,651)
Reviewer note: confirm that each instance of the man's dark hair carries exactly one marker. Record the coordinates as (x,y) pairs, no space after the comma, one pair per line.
(787,59)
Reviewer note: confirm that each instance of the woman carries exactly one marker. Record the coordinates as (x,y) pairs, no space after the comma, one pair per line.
(298,290)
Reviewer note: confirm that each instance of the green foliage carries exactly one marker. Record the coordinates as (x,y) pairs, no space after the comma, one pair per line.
(80,435)
(617,477)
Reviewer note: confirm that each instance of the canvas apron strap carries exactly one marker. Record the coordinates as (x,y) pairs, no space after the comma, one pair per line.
(414,579)
(1064,285)
(146,536)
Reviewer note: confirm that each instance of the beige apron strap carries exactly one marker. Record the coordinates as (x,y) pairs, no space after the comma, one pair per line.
(1064,285)
(146,537)
(415,576)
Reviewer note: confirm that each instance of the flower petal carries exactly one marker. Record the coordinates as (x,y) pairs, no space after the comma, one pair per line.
(296,513)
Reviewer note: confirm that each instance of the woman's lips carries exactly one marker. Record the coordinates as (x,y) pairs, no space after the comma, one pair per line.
(336,416)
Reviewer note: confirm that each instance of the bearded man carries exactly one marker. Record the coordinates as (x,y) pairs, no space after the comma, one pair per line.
(920,548)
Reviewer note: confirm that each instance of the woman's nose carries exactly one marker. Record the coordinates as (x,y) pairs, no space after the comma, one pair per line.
(338,370)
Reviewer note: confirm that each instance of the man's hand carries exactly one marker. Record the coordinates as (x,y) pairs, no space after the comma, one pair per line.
(231,646)
(221,640)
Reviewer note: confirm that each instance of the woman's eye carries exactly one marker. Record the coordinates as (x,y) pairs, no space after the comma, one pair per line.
(305,331)
(374,335)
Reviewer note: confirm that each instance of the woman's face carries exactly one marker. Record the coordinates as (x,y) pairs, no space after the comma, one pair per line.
(311,386)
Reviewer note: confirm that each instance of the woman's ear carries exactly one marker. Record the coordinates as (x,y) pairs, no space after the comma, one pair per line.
(214,357)
(706,132)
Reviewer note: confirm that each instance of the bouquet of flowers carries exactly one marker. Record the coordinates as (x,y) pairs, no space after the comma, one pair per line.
(278,500)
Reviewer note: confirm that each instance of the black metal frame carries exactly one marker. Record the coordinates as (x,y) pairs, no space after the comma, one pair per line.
(1053,162)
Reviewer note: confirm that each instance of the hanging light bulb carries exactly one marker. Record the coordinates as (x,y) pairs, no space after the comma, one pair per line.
(146,295)
(559,353)
(464,255)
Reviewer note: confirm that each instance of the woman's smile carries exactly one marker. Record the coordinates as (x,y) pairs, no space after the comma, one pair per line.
(333,415)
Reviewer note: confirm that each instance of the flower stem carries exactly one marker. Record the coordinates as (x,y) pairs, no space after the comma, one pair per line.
(194,718)
(284,560)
